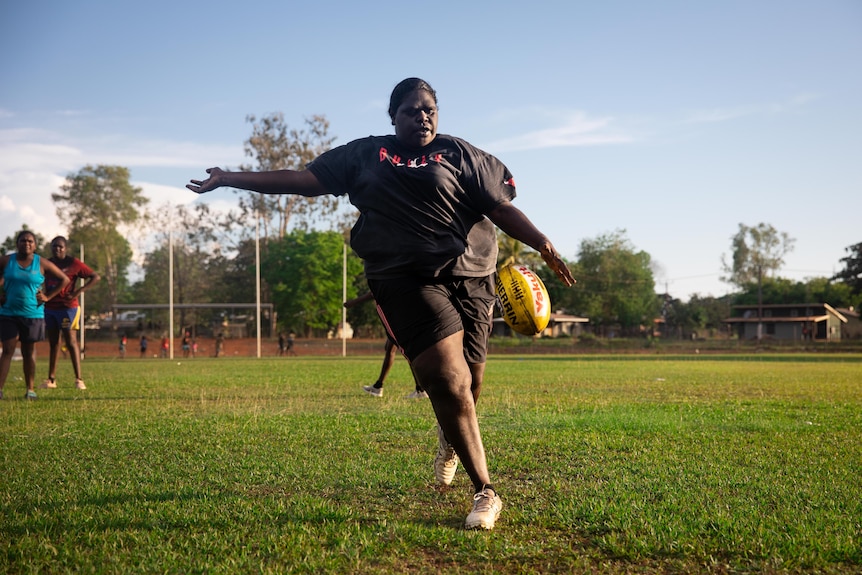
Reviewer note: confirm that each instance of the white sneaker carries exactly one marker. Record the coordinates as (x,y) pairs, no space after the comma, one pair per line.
(420,394)
(375,391)
(486,508)
(49,384)
(446,460)
(79,383)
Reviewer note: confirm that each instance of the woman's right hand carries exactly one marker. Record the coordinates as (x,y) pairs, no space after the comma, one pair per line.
(216,175)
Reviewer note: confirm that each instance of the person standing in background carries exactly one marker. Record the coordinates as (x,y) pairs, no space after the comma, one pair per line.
(186,344)
(22,317)
(389,351)
(63,314)
(219,344)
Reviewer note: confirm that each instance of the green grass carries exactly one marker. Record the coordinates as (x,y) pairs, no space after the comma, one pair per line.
(747,464)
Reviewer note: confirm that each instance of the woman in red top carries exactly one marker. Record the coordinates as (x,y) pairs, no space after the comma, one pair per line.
(62,314)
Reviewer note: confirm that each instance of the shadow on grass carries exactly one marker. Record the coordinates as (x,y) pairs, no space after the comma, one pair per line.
(63,517)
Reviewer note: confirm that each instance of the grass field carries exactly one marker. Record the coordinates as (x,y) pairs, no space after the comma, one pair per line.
(605,464)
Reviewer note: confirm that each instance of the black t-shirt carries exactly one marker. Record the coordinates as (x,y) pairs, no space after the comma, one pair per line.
(421,212)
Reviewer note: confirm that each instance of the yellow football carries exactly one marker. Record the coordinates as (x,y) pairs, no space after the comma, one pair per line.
(524,302)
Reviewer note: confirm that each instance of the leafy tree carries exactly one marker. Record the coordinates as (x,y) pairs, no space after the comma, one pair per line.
(190,285)
(276,147)
(96,201)
(364,318)
(700,315)
(198,257)
(236,275)
(109,253)
(153,288)
(304,270)
(757,251)
(615,283)
(510,250)
(563,299)
(712,311)
(678,320)
(785,291)
(851,275)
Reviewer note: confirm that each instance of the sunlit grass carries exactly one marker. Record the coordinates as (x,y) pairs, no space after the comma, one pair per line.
(610,465)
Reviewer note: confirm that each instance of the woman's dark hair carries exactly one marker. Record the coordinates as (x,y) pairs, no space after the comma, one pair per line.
(405,87)
(61,238)
(23,233)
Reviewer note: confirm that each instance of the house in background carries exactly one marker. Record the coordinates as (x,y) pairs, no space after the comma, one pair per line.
(853,328)
(560,324)
(789,321)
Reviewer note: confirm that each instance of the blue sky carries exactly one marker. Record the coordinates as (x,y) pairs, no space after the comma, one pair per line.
(673,120)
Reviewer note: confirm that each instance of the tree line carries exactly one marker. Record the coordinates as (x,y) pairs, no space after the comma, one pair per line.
(301,245)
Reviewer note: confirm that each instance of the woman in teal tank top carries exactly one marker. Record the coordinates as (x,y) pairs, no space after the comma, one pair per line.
(22,310)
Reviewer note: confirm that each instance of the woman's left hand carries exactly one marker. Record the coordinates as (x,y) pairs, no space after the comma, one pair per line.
(556,263)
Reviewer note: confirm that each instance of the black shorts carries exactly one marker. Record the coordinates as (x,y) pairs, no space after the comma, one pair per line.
(28,330)
(419,312)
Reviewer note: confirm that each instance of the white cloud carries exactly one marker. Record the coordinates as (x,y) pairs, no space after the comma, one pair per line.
(724,114)
(27,200)
(794,103)
(160,154)
(34,164)
(719,114)
(160,194)
(568,129)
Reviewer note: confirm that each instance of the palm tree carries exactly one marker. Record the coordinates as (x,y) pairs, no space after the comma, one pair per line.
(512,251)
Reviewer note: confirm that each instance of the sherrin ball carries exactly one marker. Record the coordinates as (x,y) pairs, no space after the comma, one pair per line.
(523,299)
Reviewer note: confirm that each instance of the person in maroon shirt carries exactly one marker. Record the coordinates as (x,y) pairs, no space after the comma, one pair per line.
(62,314)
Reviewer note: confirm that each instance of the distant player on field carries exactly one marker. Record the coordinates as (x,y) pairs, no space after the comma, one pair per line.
(389,352)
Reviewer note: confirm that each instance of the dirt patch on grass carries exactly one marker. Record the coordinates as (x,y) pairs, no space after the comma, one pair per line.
(245,347)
